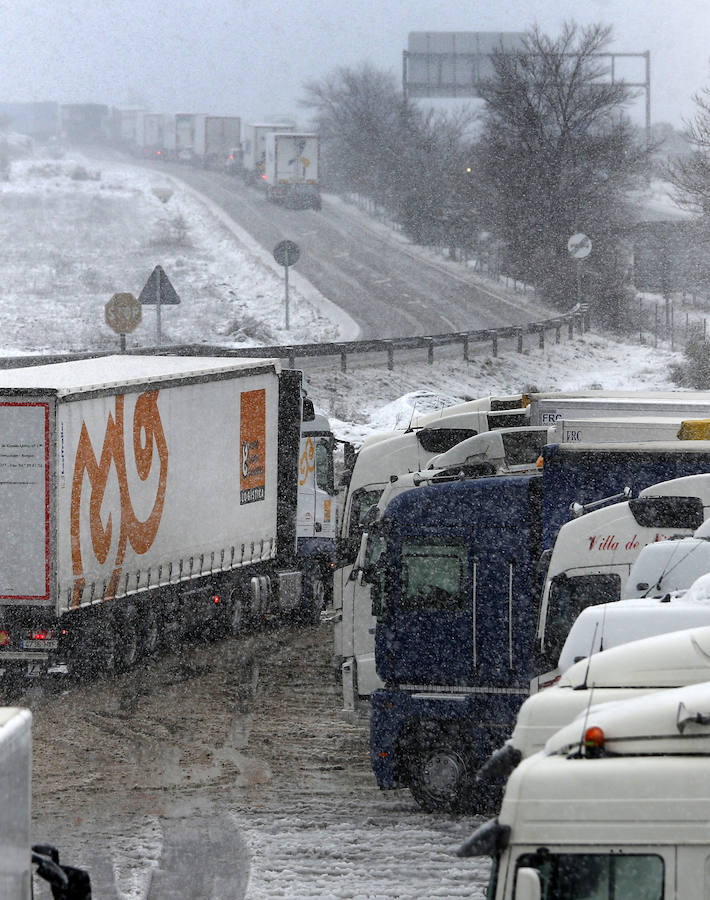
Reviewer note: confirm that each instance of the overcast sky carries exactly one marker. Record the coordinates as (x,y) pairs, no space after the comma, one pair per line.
(251,57)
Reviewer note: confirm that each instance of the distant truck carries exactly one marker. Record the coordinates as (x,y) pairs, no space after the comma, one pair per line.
(222,135)
(616,806)
(254,148)
(291,169)
(156,136)
(148,499)
(190,137)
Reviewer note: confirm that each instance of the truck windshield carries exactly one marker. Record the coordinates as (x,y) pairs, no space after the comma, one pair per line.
(433,574)
(597,876)
(569,595)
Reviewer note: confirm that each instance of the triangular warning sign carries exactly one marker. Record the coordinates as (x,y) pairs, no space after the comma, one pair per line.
(158,289)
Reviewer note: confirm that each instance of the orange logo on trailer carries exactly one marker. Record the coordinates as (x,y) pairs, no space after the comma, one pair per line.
(307,462)
(148,438)
(252,442)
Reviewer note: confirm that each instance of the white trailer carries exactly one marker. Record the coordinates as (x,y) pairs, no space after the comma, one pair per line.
(190,137)
(291,169)
(627,428)
(547,409)
(254,148)
(223,135)
(16,806)
(144,500)
(616,806)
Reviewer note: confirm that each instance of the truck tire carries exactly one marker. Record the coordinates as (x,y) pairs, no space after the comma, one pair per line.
(95,654)
(128,637)
(239,613)
(442,768)
(150,631)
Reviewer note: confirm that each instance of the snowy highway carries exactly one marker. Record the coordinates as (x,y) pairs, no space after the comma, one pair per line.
(368,272)
(226,768)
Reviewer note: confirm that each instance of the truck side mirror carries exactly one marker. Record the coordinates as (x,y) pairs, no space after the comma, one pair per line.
(527,884)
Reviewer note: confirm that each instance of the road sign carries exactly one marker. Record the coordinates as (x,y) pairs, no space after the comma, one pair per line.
(123,313)
(158,289)
(286,253)
(579,246)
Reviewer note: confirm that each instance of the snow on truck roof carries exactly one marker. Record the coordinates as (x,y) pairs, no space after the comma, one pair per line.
(108,372)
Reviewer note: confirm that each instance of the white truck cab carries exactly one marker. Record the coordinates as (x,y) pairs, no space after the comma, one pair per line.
(667,660)
(616,806)
(594,554)
(606,625)
(673,566)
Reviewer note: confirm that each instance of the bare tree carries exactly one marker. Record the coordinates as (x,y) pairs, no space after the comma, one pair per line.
(690,175)
(557,157)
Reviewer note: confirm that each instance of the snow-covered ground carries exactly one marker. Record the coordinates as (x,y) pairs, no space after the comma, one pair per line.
(73,233)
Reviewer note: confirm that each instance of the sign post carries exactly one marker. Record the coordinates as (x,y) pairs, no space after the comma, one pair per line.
(579,246)
(158,291)
(123,313)
(286,254)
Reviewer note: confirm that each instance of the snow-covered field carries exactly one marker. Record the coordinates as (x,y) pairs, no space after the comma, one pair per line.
(73,233)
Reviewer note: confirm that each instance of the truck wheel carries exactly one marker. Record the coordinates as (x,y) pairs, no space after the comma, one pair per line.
(442,769)
(97,648)
(127,637)
(315,600)
(150,631)
(238,613)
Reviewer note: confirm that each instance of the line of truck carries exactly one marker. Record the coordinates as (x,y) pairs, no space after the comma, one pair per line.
(441,604)
(148,500)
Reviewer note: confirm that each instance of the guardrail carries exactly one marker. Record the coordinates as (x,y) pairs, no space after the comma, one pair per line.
(577,318)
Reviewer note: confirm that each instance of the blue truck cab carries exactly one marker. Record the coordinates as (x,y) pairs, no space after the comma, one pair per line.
(456,580)
(453,569)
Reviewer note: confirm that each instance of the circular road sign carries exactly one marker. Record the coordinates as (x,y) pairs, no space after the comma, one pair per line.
(579,246)
(286,253)
(123,313)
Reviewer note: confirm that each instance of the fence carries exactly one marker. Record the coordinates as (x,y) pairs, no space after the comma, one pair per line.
(578,319)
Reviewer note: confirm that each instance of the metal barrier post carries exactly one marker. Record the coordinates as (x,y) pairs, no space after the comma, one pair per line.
(541,343)
(465,347)
(343,361)
(390,357)
(570,327)
(557,333)
(520,341)
(494,340)
(430,352)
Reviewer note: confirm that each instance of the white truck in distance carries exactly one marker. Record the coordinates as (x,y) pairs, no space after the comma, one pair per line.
(146,500)
(593,555)
(291,169)
(626,428)
(616,806)
(254,148)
